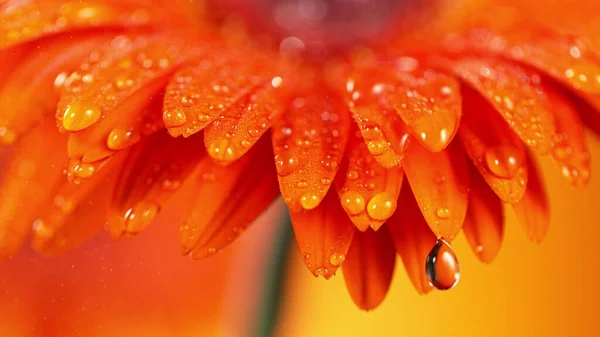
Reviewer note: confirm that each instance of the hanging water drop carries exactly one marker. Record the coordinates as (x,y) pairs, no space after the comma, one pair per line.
(442,268)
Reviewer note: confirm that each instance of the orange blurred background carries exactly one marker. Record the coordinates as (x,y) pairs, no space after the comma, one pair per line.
(143,287)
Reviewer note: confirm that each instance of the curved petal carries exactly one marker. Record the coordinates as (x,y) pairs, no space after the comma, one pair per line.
(440,183)
(484,223)
(114,91)
(226,200)
(495,150)
(533,210)
(30,177)
(367,191)
(151,174)
(309,140)
(200,93)
(516,93)
(323,236)
(381,127)
(413,239)
(369,267)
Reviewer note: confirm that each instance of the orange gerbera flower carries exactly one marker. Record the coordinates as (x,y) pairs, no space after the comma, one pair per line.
(330,108)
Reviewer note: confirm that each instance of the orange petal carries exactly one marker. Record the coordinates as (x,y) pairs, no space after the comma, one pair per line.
(200,93)
(495,150)
(35,19)
(440,184)
(76,212)
(367,190)
(516,93)
(570,150)
(484,224)
(32,173)
(230,137)
(323,236)
(227,199)
(114,91)
(381,127)
(369,267)
(152,173)
(30,91)
(309,140)
(533,210)
(430,105)
(413,239)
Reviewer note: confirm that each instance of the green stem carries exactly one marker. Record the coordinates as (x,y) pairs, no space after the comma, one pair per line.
(272,292)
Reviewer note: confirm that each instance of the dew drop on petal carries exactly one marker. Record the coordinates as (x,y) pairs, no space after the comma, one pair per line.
(381,207)
(174,118)
(503,161)
(441,266)
(286,163)
(81,115)
(336,259)
(121,138)
(353,202)
(309,201)
(140,216)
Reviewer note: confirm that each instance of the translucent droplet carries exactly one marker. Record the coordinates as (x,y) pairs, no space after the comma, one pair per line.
(336,259)
(309,201)
(286,163)
(503,161)
(353,202)
(81,115)
(381,207)
(140,216)
(221,150)
(174,118)
(443,213)
(442,268)
(120,138)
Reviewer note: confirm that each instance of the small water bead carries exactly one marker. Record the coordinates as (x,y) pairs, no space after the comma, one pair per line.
(140,216)
(121,138)
(84,171)
(352,175)
(381,207)
(504,161)
(221,150)
(441,266)
(353,202)
(286,163)
(336,259)
(585,76)
(377,147)
(81,115)
(443,213)
(309,201)
(174,118)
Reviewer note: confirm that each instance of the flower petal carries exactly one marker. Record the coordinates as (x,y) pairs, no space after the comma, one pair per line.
(323,236)
(413,239)
(226,200)
(309,140)
(533,210)
(369,267)
(22,103)
(570,150)
(32,20)
(484,224)
(152,173)
(440,184)
(495,150)
(381,127)
(430,105)
(367,190)
(200,93)
(231,136)
(114,91)
(516,93)
(30,177)
(76,212)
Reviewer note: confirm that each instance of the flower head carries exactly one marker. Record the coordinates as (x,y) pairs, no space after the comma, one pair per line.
(383,143)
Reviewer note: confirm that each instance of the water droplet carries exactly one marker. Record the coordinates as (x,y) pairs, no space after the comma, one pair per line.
(84,171)
(381,207)
(352,175)
(353,202)
(221,150)
(442,268)
(286,163)
(120,138)
(443,213)
(503,161)
(81,115)
(140,216)
(174,118)
(309,201)
(376,147)
(336,259)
